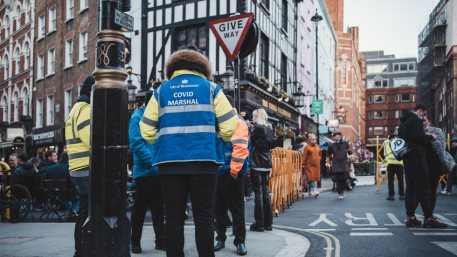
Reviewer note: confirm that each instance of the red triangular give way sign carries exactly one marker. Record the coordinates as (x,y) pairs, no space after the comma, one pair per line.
(231,31)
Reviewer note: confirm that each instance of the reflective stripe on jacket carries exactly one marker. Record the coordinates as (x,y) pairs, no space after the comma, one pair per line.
(181,119)
(141,150)
(77,136)
(237,150)
(388,155)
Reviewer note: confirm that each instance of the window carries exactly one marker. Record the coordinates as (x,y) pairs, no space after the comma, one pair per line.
(266,4)
(40,74)
(39,113)
(284,15)
(52,19)
(26,55)
(191,36)
(378,115)
(18,17)
(69,53)
(377,68)
(5,109)
(411,66)
(67,103)
(50,110)
(344,73)
(27,10)
(7,26)
(400,67)
(51,61)
(83,46)
(378,131)
(69,10)
(404,82)
(378,98)
(381,83)
(25,102)
(15,107)
(6,63)
(41,26)
(83,5)
(284,72)
(17,61)
(264,50)
(406,97)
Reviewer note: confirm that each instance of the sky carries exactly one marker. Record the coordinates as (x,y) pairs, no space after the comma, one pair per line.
(389,25)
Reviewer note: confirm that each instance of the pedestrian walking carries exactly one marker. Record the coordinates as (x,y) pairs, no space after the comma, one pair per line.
(418,189)
(262,141)
(182,119)
(77,136)
(394,169)
(312,164)
(451,175)
(230,188)
(338,153)
(147,184)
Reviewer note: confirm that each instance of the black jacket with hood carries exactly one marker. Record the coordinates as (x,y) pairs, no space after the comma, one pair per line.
(412,131)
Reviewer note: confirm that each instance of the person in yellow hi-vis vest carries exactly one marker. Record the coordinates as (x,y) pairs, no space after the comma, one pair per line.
(394,168)
(77,138)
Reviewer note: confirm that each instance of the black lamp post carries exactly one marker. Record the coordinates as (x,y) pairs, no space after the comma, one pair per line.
(228,83)
(316,19)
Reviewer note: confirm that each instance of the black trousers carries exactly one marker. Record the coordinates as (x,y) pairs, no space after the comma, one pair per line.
(450,180)
(392,171)
(434,180)
(230,196)
(148,197)
(82,216)
(201,188)
(262,209)
(417,185)
(341,181)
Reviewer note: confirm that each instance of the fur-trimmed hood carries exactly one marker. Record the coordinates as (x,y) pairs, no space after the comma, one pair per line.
(186,59)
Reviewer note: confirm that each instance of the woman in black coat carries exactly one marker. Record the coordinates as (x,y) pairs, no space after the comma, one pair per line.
(262,140)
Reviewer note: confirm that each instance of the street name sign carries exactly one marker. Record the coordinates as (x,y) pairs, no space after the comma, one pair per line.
(317,106)
(230,32)
(124,20)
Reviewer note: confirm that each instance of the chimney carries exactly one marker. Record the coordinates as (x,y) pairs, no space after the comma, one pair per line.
(336,11)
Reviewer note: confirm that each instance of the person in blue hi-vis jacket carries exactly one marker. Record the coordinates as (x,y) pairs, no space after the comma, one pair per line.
(147,183)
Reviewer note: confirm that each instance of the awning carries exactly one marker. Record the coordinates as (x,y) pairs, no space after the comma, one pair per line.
(324,141)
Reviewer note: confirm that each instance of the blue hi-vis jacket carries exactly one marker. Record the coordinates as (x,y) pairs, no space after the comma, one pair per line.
(141,150)
(181,119)
(228,150)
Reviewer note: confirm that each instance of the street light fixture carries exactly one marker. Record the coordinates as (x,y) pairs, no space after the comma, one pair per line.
(130,87)
(228,79)
(316,19)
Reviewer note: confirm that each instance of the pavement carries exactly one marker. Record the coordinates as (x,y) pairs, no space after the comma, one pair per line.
(32,239)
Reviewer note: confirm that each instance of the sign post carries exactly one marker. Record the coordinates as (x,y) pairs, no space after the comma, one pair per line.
(230,33)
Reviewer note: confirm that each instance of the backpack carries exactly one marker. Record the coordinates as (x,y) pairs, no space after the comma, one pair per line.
(400,148)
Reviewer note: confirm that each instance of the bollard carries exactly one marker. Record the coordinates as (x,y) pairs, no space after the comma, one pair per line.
(106,232)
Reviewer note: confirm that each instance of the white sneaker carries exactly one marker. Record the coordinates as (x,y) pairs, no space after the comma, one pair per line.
(341,196)
(316,193)
(443,192)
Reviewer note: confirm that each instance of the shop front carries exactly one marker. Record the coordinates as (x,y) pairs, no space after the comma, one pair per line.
(48,138)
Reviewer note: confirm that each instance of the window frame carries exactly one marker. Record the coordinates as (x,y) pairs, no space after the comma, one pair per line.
(50,110)
(52,19)
(51,61)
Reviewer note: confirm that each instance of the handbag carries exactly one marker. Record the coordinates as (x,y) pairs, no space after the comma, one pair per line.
(400,148)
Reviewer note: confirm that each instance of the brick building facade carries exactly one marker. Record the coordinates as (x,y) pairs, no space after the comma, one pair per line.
(350,77)
(16,74)
(65,32)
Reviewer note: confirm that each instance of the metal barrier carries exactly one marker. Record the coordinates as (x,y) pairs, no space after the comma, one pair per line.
(285,181)
(4,186)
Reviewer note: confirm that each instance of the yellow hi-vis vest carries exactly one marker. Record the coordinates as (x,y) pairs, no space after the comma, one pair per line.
(388,155)
(77,137)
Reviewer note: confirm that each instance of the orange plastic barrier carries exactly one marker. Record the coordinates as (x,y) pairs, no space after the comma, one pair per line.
(286,178)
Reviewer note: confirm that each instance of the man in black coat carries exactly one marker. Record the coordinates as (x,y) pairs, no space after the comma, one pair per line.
(418,188)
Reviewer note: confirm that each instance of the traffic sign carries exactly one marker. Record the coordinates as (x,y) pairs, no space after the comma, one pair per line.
(231,31)
(124,20)
(317,106)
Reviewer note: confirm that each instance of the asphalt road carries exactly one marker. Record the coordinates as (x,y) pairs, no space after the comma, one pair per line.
(366,224)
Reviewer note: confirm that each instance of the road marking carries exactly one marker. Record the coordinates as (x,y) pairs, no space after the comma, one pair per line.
(449,246)
(393,218)
(433,229)
(434,234)
(445,220)
(370,218)
(323,218)
(371,234)
(321,229)
(328,239)
(358,229)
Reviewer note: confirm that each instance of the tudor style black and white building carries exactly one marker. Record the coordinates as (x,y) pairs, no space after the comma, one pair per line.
(268,75)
